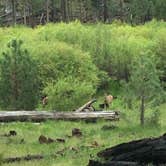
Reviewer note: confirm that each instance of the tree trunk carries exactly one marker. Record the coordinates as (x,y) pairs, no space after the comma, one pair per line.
(63,9)
(14,11)
(105,11)
(142,110)
(31,16)
(53,11)
(67,11)
(25,19)
(47,10)
(121,10)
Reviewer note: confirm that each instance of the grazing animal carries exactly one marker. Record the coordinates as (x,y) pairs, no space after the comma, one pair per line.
(107,101)
(44,100)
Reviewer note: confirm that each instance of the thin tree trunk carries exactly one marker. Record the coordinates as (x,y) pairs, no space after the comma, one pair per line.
(105,12)
(67,11)
(53,11)
(25,19)
(121,10)
(14,11)
(63,9)
(32,21)
(142,110)
(47,10)
(80,12)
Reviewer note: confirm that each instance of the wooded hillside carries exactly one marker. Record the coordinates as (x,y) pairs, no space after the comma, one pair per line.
(32,13)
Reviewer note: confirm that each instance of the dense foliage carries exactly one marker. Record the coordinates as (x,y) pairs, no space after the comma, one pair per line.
(96,57)
(18,78)
(68,94)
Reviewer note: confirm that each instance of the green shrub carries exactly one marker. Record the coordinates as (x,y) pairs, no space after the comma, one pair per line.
(59,60)
(68,94)
(75,49)
(154,118)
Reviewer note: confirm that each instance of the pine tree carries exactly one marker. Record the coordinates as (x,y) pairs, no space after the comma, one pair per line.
(144,81)
(18,78)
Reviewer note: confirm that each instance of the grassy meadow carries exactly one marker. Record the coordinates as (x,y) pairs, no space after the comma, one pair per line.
(127,129)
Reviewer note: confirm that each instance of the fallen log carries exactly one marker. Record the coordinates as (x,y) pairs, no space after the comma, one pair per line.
(38,116)
(148,150)
(87,106)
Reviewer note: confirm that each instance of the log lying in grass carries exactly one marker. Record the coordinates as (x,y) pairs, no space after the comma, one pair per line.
(87,106)
(37,116)
(149,150)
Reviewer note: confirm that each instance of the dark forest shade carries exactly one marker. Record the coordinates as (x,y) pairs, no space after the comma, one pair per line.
(43,11)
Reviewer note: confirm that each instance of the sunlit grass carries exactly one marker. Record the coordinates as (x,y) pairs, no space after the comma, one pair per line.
(128,129)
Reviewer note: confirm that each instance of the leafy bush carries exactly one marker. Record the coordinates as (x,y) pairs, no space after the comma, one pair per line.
(154,118)
(74,50)
(64,69)
(68,94)
(59,60)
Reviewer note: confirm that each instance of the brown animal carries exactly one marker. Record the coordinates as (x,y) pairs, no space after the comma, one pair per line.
(107,101)
(44,101)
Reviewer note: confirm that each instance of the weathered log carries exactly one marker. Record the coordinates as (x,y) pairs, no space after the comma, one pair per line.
(37,116)
(149,150)
(86,106)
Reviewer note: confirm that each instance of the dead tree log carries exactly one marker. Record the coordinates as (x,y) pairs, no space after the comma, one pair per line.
(38,116)
(149,150)
(87,106)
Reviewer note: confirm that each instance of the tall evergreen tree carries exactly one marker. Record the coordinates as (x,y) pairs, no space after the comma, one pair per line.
(18,78)
(144,82)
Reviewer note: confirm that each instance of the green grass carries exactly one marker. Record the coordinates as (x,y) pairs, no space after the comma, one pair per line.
(128,129)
